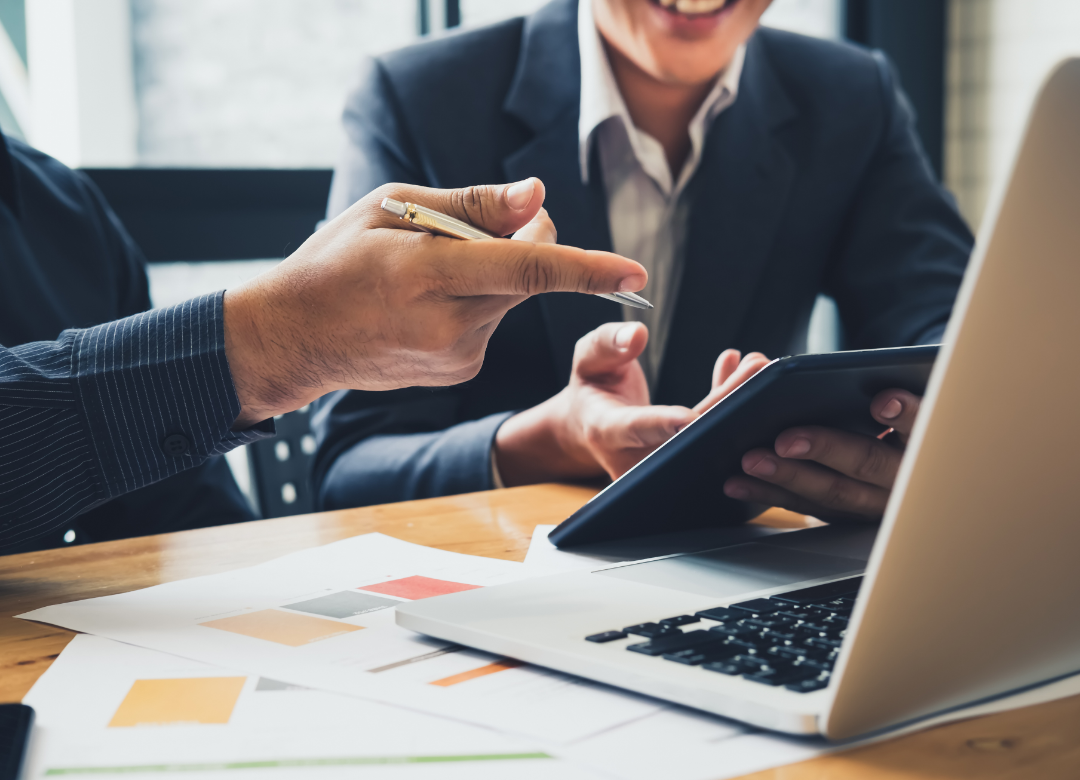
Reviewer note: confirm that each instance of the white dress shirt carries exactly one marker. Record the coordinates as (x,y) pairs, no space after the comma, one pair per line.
(647,213)
(647,210)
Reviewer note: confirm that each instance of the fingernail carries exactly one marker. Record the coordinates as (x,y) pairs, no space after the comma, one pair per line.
(631,284)
(623,337)
(735,490)
(765,467)
(519,195)
(892,409)
(796,448)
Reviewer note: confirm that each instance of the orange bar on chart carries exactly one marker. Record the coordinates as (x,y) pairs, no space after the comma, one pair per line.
(417,587)
(285,628)
(172,702)
(472,674)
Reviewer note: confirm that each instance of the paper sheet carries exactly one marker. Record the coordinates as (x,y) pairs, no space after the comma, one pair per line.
(104,705)
(323,618)
(543,553)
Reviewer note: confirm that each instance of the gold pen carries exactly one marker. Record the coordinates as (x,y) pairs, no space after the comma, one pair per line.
(443,225)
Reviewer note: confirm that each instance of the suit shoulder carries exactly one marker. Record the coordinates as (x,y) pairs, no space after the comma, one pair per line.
(55,177)
(460,61)
(837,83)
(820,66)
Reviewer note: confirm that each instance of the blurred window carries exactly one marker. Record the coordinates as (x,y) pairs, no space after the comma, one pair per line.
(1000,51)
(253,83)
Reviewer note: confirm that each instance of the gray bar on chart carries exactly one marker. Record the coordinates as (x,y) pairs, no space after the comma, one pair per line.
(346,604)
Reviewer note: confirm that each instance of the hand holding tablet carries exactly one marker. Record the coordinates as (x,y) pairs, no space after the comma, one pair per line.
(831,473)
(846,471)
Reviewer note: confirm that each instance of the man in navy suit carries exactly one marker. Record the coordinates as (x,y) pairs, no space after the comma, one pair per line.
(747,169)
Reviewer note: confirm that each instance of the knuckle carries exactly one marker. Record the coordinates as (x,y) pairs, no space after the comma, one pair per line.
(786,474)
(872,463)
(839,493)
(594,436)
(470,203)
(533,275)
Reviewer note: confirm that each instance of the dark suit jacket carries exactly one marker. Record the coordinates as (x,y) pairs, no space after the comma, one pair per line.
(67,262)
(812,182)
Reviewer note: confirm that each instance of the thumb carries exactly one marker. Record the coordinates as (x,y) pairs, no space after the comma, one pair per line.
(896,409)
(499,209)
(609,348)
(725,366)
(744,369)
(636,427)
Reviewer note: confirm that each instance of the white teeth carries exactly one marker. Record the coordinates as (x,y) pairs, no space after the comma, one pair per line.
(696,6)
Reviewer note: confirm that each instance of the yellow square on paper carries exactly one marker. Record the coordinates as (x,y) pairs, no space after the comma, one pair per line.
(285,628)
(171,702)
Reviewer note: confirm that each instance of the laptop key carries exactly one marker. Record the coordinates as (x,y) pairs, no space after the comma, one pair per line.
(759,606)
(787,652)
(737,665)
(606,636)
(673,642)
(808,685)
(820,593)
(695,656)
(766,623)
(650,630)
(721,614)
(735,629)
(823,643)
(680,620)
(780,676)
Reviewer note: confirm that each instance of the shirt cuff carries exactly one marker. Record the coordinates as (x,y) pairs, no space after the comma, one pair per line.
(496,477)
(157,392)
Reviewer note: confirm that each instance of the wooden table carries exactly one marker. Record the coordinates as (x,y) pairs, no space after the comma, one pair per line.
(1038,742)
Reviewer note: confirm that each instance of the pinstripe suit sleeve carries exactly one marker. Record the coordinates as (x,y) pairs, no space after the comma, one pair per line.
(85,418)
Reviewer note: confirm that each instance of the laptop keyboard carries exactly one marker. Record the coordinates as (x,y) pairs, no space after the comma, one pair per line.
(789,639)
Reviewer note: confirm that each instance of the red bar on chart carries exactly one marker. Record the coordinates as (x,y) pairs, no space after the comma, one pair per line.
(414,588)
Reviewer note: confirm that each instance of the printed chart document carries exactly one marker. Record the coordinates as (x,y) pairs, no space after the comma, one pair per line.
(323,618)
(105,708)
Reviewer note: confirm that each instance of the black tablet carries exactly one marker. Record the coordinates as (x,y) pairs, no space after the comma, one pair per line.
(679,487)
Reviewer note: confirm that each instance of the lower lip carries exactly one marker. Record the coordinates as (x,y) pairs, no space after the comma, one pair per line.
(692,23)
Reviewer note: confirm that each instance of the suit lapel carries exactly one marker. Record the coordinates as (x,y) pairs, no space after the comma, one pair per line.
(545,95)
(738,196)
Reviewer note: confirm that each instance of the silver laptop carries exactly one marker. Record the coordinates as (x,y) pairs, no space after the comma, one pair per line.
(970,589)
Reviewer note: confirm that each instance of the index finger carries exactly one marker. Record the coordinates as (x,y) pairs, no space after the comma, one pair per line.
(863,458)
(522,268)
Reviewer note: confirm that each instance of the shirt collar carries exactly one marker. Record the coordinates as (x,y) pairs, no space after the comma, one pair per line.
(601,99)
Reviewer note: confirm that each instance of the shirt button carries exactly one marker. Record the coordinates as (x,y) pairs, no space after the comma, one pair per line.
(176,444)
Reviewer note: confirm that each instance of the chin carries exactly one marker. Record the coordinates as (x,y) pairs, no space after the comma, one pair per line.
(694,18)
(690,41)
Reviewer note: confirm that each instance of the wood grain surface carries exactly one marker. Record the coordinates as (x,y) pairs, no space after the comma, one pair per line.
(1037,742)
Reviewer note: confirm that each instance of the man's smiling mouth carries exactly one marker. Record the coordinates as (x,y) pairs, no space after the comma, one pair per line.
(694,7)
